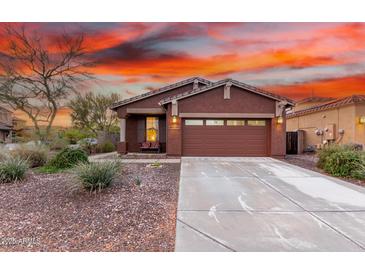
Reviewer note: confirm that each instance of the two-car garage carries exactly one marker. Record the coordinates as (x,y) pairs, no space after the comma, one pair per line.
(222,137)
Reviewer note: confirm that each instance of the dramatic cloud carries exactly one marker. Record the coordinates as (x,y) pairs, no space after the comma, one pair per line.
(294,59)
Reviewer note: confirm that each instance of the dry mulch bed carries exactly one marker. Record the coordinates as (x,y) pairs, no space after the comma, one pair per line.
(147,156)
(43,214)
(309,161)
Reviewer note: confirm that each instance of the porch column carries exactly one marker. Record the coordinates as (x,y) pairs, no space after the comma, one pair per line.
(122,146)
(122,130)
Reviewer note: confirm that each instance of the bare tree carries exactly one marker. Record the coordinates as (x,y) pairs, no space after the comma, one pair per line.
(91,111)
(36,77)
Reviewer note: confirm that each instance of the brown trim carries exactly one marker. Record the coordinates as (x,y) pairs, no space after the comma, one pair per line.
(145,111)
(227,115)
(232,82)
(160,90)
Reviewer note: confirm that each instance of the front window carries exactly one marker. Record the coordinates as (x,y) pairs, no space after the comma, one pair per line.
(256,123)
(235,122)
(193,122)
(152,129)
(214,122)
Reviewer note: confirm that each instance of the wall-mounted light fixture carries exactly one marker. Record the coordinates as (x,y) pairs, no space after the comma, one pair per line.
(280,120)
(362,120)
(174,119)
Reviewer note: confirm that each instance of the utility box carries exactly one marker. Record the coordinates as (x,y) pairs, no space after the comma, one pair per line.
(329,132)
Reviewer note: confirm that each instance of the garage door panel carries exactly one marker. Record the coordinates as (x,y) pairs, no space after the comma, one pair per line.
(225,140)
(252,144)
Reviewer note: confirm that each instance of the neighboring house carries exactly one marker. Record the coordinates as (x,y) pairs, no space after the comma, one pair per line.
(6,123)
(19,127)
(196,117)
(311,102)
(337,121)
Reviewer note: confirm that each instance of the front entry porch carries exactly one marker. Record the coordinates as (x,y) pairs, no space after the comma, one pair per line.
(143,133)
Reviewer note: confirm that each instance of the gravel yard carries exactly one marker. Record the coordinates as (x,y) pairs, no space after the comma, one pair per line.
(43,214)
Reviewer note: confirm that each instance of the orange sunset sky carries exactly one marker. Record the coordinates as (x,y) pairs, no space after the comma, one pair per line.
(292,59)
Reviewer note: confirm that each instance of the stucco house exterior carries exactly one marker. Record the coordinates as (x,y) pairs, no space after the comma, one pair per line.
(6,123)
(197,117)
(339,121)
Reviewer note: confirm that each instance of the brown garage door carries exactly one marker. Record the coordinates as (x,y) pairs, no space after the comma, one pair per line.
(225,137)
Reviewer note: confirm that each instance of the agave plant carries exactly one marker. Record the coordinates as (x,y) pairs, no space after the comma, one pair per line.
(97,175)
(13,169)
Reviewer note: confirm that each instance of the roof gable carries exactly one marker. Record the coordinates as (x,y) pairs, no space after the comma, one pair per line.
(159,91)
(224,82)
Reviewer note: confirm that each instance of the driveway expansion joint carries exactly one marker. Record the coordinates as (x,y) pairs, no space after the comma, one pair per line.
(206,235)
(310,221)
(338,231)
(307,211)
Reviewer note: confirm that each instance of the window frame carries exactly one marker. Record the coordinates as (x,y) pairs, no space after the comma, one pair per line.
(214,125)
(235,125)
(258,124)
(202,122)
(157,120)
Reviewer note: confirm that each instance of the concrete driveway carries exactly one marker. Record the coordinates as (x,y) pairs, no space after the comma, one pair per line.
(263,204)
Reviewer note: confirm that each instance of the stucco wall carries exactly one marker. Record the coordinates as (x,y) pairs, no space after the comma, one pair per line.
(359,128)
(342,118)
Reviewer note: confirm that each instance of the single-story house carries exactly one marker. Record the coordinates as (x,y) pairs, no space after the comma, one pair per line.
(197,117)
(339,121)
(5,123)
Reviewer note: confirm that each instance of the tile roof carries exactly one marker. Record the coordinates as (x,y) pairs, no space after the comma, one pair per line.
(158,91)
(223,82)
(332,104)
(315,99)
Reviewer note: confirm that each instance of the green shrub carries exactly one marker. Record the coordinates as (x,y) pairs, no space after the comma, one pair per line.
(48,169)
(67,158)
(12,169)
(346,163)
(35,155)
(107,147)
(326,152)
(342,161)
(96,176)
(73,135)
